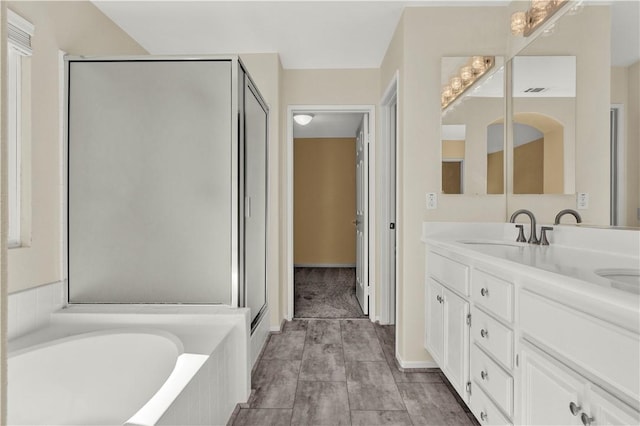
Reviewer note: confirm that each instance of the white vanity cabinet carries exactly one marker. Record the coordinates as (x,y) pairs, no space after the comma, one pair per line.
(447,336)
(553,394)
(527,355)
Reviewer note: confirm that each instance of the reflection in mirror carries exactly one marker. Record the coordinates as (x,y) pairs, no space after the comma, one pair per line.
(464,128)
(495,157)
(453,139)
(544,105)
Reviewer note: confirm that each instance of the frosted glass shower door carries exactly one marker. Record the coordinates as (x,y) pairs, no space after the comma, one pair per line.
(255,154)
(150,178)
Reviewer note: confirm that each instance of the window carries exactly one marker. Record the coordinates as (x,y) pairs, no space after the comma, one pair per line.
(19,33)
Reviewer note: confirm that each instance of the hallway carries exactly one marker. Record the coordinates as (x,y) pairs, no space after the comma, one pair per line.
(343,372)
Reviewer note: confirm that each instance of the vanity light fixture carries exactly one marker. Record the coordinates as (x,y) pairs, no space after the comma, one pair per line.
(466,76)
(525,23)
(303,119)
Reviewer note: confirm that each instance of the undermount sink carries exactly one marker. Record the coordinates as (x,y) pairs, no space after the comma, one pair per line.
(624,279)
(490,243)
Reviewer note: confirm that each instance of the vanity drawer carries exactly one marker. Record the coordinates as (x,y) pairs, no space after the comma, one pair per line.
(497,382)
(602,349)
(449,272)
(484,410)
(492,336)
(493,293)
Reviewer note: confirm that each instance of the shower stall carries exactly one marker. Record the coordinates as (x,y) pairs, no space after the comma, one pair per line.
(167,182)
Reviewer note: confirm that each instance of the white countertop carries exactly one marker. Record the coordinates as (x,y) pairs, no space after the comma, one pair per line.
(561,270)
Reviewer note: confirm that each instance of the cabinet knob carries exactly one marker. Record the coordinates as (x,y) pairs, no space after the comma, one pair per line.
(484,333)
(483,416)
(484,375)
(484,292)
(586,420)
(439,298)
(574,408)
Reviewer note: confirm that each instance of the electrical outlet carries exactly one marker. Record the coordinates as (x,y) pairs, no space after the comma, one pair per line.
(583,200)
(432,201)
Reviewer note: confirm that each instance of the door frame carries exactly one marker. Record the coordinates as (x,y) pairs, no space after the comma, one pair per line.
(388,313)
(618,202)
(370,197)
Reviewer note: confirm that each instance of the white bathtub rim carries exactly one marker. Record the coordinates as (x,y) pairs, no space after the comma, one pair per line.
(110,331)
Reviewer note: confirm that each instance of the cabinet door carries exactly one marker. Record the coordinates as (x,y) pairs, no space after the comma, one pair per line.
(608,410)
(434,320)
(456,341)
(548,389)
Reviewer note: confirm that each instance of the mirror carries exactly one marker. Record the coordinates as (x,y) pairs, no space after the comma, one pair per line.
(466,148)
(544,117)
(590,36)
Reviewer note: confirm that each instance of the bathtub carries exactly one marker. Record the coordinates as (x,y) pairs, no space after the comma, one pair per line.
(133,365)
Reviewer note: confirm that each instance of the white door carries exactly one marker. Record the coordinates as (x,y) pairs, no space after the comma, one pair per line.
(362,201)
(434,325)
(456,341)
(392,214)
(550,395)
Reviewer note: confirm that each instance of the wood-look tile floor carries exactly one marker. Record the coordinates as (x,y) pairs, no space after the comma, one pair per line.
(344,372)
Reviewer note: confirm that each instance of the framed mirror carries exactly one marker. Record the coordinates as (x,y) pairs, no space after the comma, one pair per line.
(468,160)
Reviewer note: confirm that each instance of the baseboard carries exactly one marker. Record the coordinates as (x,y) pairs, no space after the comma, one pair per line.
(277,328)
(415,364)
(324,265)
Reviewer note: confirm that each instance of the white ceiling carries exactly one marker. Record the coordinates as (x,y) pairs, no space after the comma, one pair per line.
(329,125)
(306,34)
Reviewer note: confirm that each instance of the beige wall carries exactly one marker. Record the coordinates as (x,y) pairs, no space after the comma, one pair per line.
(453,150)
(528,168)
(477,114)
(417,53)
(495,172)
(266,71)
(324,201)
(625,90)
(77,28)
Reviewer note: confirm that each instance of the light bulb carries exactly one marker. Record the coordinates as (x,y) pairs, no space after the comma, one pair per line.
(477,62)
(466,74)
(456,84)
(518,22)
(446,91)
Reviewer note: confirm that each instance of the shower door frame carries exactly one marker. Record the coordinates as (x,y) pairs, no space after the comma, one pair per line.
(238,76)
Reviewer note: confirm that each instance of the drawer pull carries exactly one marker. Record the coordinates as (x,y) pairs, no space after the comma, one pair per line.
(586,420)
(439,299)
(483,416)
(484,291)
(574,408)
(484,333)
(484,375)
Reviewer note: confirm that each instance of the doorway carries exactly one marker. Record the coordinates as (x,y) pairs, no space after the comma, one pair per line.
(328,212)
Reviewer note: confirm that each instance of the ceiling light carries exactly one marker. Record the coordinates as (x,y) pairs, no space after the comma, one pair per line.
(466,76)
(303,119)
(525,23)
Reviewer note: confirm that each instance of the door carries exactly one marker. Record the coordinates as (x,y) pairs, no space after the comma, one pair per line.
(434,324)
(549,393)
(362,279)
(255,205)
(456,341)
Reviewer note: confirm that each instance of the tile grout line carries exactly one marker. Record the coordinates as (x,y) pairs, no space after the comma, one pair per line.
(394,377)
(346,378)
(295,397)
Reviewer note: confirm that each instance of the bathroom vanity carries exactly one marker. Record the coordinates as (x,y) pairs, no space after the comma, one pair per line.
(531,334)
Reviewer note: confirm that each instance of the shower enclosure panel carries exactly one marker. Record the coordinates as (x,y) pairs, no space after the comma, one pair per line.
(163,165)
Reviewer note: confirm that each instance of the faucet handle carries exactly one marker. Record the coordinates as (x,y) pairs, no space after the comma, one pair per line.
(543,237)
(521,238)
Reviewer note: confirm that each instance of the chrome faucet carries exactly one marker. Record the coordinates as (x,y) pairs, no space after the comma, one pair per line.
(567,211)
(533,239)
